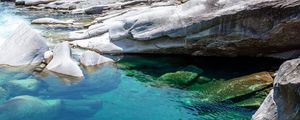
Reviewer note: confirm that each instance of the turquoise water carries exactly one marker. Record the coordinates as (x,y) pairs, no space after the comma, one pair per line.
(109,93)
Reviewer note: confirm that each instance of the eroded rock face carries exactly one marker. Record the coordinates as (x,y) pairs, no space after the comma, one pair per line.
(283,103)
(206,28)
(23,48)
(62,61)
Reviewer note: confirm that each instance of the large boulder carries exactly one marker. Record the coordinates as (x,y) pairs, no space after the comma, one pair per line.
(206,27)
(24,47)
(283,103)
(62,61)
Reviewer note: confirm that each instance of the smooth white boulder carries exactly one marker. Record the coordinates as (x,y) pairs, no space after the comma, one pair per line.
(51,21)
(91,58)
(24,47)
(62,62)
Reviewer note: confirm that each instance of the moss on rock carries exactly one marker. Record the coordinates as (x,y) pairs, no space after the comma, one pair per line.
(180,78)
(223,90)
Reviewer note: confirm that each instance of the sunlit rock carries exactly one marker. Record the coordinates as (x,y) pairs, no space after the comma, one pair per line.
(90,58)
(62,61)
(24,47)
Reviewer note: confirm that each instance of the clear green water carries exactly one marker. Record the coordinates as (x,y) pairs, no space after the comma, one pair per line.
(109,93)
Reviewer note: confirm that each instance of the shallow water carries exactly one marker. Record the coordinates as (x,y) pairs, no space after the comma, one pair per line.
(108,93)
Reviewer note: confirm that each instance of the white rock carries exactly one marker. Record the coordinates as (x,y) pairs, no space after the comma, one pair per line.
(100,44)
(23,48)
(33,2)
(48,55)
(62,61)
(51,21)
(90,58)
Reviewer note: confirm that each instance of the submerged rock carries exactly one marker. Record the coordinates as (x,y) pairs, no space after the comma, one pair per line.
(62,61)
(24,47)
(90,58)
(3,95)
(29,108)
(24,86)
(222,90)
(33,108)
(283,101)
(180,78)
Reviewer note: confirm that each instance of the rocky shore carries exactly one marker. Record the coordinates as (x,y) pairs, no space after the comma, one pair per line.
(231,28)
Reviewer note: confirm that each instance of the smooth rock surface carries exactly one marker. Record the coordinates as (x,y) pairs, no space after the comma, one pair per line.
(62,61)
(90,58)
(24,47)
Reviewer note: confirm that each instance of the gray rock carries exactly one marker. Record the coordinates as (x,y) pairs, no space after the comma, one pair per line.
(62,61)
(283,103)
(23,48)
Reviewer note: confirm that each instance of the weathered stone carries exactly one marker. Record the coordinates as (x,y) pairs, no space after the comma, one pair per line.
(23,48)
(283,103)
(62,61)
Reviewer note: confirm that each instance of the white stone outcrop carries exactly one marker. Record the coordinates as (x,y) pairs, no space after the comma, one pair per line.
(24,47)
(62,62)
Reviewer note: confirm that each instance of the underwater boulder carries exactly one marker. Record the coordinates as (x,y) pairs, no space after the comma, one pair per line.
(29,108)
(34,108)
(3,95)
(23,86)
(221,90)
(180,78)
